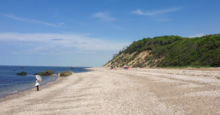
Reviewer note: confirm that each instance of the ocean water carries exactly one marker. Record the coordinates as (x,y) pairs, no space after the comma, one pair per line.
(10,83)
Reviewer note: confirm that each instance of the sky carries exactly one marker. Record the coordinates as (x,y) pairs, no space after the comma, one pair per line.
(87,33)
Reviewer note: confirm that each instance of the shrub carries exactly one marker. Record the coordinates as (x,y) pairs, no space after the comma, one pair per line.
(178,51)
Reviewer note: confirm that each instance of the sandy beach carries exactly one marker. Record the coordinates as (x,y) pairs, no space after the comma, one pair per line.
(116,92)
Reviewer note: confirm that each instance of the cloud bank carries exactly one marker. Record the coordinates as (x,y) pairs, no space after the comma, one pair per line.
(154,12)
(59,43)
(103,16)
(196,35)
(32,21)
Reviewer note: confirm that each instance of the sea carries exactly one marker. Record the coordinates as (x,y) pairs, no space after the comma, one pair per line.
(10,83)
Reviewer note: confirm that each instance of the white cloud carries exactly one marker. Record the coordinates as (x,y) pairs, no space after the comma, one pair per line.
(138,12)
(60,43)
(49,49)
(154,12)
(29,20)
(196,35)
(103,16)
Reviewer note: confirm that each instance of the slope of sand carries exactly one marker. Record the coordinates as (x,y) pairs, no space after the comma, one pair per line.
(115,92)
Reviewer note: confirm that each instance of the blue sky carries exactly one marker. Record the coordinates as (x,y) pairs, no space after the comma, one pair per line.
(88,32)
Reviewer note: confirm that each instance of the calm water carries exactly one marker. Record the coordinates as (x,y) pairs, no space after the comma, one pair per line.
(11,83)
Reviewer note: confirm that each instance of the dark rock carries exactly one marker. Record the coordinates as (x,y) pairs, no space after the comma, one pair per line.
(21,67)
(46,73)
(22,73)
(50,72)
(65,73)
(43,73)
(36,73)
(72,67)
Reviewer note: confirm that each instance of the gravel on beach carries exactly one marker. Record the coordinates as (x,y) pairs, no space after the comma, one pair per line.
(116,92)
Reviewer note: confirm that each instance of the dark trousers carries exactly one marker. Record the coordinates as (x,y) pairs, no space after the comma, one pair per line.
(37,88)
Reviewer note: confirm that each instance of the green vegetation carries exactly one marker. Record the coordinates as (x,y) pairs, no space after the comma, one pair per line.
(176,51)
(22,73)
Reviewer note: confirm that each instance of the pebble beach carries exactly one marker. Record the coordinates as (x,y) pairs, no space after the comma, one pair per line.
(136,91)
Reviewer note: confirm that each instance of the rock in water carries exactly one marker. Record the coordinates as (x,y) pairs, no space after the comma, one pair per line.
(50,72)
(72,67)
(36,73)
(22,73)
(45,73)
(65,73)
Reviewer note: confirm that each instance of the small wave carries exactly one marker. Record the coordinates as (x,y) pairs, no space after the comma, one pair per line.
(14,91)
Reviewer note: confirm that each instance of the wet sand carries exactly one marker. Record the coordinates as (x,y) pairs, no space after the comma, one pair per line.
(115,92)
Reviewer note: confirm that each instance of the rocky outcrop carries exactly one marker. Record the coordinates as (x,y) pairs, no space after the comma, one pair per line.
(22,73)
(36,73)
(45,73)
(65,73)
(72,67)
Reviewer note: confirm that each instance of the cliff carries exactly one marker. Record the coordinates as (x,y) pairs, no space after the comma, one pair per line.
(170,51)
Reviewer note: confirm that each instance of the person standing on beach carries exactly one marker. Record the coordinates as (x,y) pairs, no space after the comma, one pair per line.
(37,85)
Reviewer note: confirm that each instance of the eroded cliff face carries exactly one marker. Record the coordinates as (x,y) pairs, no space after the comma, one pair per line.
(170,51)
(143,59)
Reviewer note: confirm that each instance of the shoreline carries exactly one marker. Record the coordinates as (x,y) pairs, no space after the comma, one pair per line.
(23,89)
(135,91)
(27,91)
